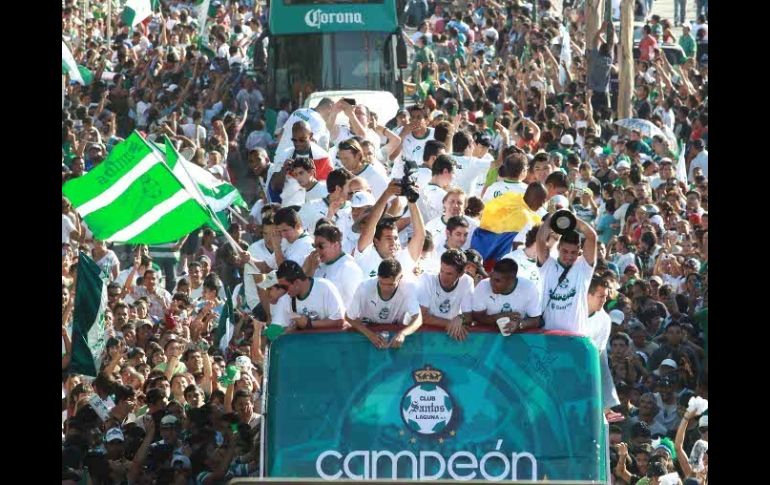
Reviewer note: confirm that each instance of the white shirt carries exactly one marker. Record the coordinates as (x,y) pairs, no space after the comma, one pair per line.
(317,126)
(598,329)
(528,268)
(471,173)
(299,249)
(316,153)
(369,307)
(566,307)
(194,132)
(316,209)
(503,187)
(437,228)
(702,161)
(369,260)
(67,226)
(431,201)
(377,177)
(412,149)
(344,273)
(442,303)
(524,299)
(623,260)
(322,302)
(316,192)
(280,313)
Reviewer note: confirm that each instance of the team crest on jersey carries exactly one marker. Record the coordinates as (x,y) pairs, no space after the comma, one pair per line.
(444,307)
(506,308)
(384,313)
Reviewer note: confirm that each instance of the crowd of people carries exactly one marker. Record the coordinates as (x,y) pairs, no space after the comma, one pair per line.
(370,221)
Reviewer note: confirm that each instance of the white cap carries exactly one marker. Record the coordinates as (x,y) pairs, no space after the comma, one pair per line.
(217,170)
(271,279)
(703,422)
(567,140)
(617,316)
(668,363)
(183,460)
(243,362)
(114,434)
(362,199)
(622,164)
(560,201)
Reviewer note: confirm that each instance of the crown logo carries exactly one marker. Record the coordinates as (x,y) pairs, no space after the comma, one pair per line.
(428,375)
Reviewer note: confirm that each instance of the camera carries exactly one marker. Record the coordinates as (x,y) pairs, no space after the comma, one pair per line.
(408,187)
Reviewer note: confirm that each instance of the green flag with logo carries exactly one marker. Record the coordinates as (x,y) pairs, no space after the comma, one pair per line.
(88,330)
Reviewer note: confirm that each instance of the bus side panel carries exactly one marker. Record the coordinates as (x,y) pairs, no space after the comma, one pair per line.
(526,406)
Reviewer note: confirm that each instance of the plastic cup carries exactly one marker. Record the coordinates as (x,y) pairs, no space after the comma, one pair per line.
(501,323)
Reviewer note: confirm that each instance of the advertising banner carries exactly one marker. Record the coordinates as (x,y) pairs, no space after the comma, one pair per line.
(524,407)
(319,18)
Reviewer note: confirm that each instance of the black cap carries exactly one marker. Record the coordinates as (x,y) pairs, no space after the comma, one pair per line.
(684,398)
(482,139)
(290,270)
(698,144)
(640,429)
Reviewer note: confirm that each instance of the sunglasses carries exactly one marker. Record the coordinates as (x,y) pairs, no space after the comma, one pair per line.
(349,146)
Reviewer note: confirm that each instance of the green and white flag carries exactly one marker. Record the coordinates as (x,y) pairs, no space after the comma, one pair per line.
(133,197)
(88,329)
(217,194)
(202,14)
(76,72)
(681,165)
(224,331)
(135,11)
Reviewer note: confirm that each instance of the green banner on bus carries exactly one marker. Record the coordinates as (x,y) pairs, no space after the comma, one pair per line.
(522,407)
(322,18)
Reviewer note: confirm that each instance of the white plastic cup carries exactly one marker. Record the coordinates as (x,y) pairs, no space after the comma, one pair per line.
(501,323)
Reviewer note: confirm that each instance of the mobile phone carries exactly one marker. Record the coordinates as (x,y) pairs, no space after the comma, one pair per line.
(350,101)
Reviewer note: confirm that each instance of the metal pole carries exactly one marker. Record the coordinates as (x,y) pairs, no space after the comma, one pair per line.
(626,87)
(108,23)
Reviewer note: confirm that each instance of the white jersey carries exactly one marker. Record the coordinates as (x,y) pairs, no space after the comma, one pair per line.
(598,329)
(280,313)
(258,251)
(524,299)
(322,302)
(317,191)
(317,126)
(299,249)
(528,268)
(431,201)
(369,260)
(344,273)
(369,307)
(565,305)
(442,303)
(471,174)
(317,209)
(503,187)
(377,177)
(437,229)
(412,149)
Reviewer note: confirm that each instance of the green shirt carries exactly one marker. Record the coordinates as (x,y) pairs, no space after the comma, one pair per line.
(687,43)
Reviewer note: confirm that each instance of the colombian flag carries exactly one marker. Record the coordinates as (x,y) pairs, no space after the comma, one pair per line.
(501,221)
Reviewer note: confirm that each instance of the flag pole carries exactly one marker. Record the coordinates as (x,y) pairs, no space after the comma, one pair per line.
(212,215)
(238,216)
